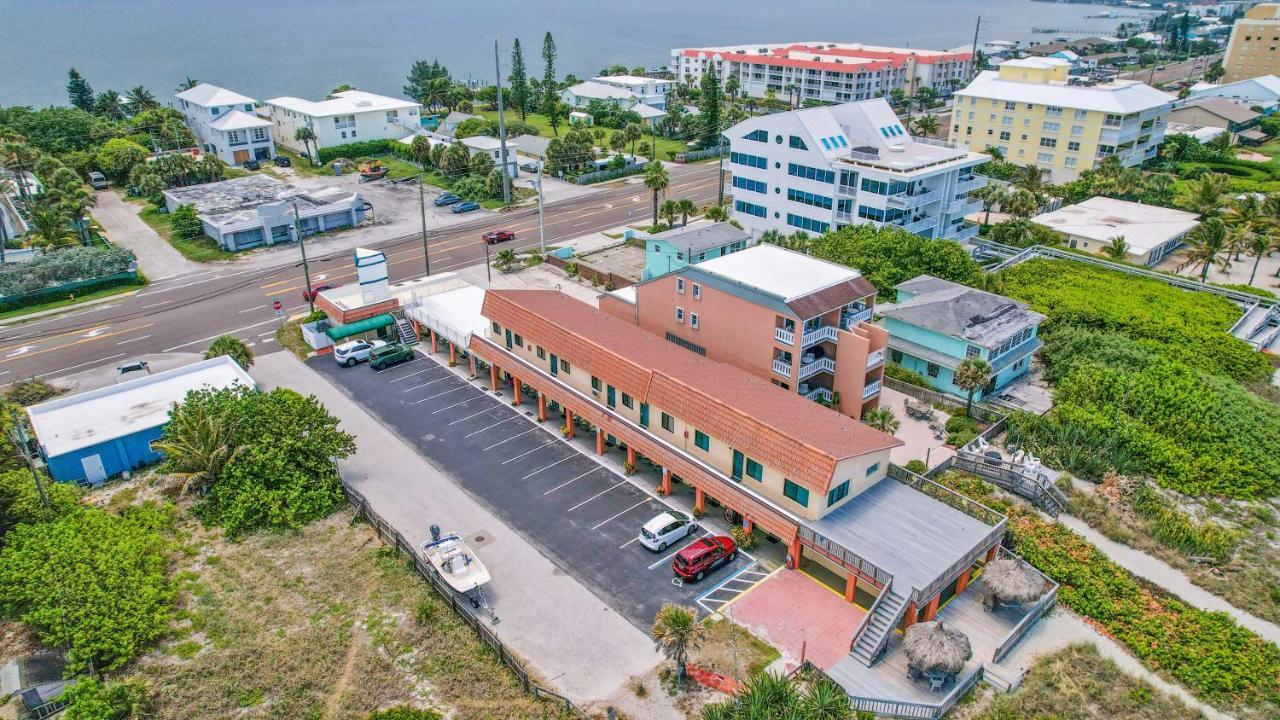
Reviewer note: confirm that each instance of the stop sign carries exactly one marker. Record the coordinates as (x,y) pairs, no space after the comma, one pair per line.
(276,305)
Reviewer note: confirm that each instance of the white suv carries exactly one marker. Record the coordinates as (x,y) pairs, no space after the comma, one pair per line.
(354,351)
(665,529)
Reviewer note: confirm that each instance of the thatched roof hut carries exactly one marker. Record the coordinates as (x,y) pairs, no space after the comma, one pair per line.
(933,647)
(1012,580)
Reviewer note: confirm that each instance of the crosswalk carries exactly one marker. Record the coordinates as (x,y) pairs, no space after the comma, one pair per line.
(729,590)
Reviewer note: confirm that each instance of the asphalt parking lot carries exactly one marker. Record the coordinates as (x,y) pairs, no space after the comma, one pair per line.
(583,516)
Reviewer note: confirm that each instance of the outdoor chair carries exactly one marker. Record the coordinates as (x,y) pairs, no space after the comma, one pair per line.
(936,681)
(913,673)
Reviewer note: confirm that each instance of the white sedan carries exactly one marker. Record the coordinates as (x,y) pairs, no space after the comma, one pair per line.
(668,527)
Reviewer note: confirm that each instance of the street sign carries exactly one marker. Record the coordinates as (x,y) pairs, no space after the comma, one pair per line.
(275,304)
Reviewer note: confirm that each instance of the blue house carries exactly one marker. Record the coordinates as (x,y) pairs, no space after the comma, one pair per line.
(936,324)
(673,250)
(91,436)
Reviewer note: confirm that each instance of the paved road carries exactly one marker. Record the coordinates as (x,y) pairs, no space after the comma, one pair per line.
(1193,68)
(184,312)
(156,257)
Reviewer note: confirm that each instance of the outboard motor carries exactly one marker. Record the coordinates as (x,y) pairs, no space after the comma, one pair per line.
(435,533)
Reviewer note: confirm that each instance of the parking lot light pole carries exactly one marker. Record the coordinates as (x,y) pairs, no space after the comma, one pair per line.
(422,204)
(302,246)
(488,267)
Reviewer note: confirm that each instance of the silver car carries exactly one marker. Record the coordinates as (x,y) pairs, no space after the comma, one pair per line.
(355,351)
(668,527)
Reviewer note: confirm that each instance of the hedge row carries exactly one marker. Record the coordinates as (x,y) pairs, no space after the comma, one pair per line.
(364,148)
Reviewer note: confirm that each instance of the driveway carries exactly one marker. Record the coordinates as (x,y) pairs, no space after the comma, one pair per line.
(156,257)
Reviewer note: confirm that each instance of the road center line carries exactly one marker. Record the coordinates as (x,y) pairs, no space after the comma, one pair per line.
(122,342)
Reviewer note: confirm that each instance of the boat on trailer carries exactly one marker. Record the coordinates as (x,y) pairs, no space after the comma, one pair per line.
(454,560)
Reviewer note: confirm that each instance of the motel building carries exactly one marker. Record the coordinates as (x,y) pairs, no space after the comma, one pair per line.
(899,547)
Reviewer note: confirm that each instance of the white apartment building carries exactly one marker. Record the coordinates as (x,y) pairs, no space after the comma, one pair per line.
(225,124)
(825,71)
(346,117)
(850,164)
(650,91)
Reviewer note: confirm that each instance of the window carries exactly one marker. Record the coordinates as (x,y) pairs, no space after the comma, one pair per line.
(1046,158)
(1073,146)
(344,121)
(807,198)
(542,354)
(932,370)
(679,314)
(259,134)
(701,440)
(838,493)
(754,161)
(873,469)
(668,423)
(697,291)
(693,320)
(1010,105)
(972,351)
(1069,162)
(749,209)
(518,340)
(809,224)
(870,213)
(795,492)
(749,184)
(1004,135)
(755,470)
(627,402)
(564,366)
(214,111)
(1081,114)
(496,330)
(392,115)
(1006,121)
(1077,130)
(1048,142)
(1051,127)
(895,356)
(1052,111)
(595,383)
(798,143)
(757,135)
(680,285)
(811,173)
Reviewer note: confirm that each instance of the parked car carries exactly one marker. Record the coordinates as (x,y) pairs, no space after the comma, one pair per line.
(530,167)
(282,161)
(131,370)
(703,556)
(665,529)
(464,207)
(494,237)
(446,199)
(314,292)
(250,165)
(354,351)
(97,180)
(389,355)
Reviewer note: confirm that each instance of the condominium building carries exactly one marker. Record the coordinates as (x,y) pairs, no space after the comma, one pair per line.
(1035,114)
(825,71)
(1254,47)
(224,123)
(345,117)
(849,164)
(796,321)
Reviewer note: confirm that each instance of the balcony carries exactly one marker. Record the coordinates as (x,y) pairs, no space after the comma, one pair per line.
(847,190)
(871,389)
(844,216)
(875,359)
(784,336)
(967,233)
(971,184)
(849,319)
(963,206)
(782,367)
(817,335)
(809,369)
(919,225)
(904,200)
(820,394)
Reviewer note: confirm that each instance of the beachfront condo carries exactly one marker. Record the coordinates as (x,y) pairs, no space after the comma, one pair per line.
(1254,47)
(225,124)
(345,117)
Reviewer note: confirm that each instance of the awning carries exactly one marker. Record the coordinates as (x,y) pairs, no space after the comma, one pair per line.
(360,326)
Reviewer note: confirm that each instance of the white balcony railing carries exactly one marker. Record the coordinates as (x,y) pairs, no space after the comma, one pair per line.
(782,367)
(853,318)
(847,190)
(966,234)
(825,364)
(971,184)
(820,394)
(784,336)
(963,206)
(919,225)
(910,201)
(871,389)
(875,359)
(821,333)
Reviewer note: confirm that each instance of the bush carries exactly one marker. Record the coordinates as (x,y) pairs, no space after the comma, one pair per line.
(888,255)
(91,582)
(59,267)
(364,148)
(233,347)
(30,392)
(960,423)
(743,539)
(911,377)
(1175,529)
(185,223)
(20,501)
(91,699)
(917,466)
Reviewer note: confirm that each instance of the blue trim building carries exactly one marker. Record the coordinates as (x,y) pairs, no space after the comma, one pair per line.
(672,250)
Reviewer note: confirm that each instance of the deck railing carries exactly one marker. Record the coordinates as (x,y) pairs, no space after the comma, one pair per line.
(1037,611)
(917,710)
(866,618)
(844,556)
(964,504)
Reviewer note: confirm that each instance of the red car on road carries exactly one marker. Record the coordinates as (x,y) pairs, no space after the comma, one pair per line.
(309,295)
(497,236)
(703,556)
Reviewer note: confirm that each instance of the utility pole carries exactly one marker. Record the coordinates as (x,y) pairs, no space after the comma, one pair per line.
(4,235)
(542,228)
(973,54)
(302,246)
(22,443)
(502,127)
(720,171)
(422,205)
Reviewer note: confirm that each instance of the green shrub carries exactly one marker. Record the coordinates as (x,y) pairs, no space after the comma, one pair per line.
(889,255)
(911,377)
(20,501)
(91,699)
(185,223)
(233,347)
(917,466)
(960,423)
(63,266)
(30,392)
(1249,289)
(364,148)
(1175,529)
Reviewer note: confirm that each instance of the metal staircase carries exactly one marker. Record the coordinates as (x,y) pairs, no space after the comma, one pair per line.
(405,331)
(884,616)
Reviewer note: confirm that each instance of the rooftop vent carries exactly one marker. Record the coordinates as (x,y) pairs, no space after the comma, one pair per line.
(868,149)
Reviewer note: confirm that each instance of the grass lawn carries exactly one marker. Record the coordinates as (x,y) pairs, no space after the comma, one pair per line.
(202,249)
(75,299)
(665,145)
(324,622)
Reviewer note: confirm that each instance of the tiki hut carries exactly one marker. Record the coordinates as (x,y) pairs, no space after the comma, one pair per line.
(932,647)
(1012,580)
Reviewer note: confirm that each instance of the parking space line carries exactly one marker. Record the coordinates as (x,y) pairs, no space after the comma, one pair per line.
(450,407)
(513,437)
(464,419)
(526,452)
(397,367)
(624,512)
(634,539)
(446,392)
(665,559)
(593,497)
(548,467)
(419,387)
(566,482)
(406,377)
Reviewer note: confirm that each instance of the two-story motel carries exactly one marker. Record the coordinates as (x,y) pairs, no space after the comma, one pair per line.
(796,321)
(818,169)
(817,480)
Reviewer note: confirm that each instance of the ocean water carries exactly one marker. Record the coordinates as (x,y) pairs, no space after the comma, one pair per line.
(268,48)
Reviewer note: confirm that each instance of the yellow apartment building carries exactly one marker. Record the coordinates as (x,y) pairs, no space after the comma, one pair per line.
(1035,113)
(1254,47)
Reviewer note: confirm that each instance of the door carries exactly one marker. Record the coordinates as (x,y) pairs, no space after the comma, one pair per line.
(737,465)
(240,156)
(610,396)
(555,365)
(644,415)
(94,473)
(508,339)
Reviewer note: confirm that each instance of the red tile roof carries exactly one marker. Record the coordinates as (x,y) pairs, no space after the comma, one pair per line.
(779,428)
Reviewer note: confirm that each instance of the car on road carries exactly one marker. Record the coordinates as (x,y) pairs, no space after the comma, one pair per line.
(250,165)
(465,207)
(97,180)
(132,369)
(703,556)
(446,199)
(354,351)
(665,529)
(530,167)
(389,355)
(282,161)
(314,292)
(494,237)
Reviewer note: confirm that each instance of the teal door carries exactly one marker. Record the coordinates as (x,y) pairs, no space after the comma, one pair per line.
(737,465)
(610,396)
(644,415)
(508,339)
(555,365)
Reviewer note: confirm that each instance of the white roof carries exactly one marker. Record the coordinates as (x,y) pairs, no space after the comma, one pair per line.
(486,142)
(600,91)
(239,120)
(1263,87)
(206,95)
(347,102)
(647,112)
(784,273)
(1118,96)
(85,419)
(1144,227)
(447,304)
(627,79)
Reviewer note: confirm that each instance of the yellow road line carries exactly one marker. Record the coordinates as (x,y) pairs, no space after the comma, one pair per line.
(72,344)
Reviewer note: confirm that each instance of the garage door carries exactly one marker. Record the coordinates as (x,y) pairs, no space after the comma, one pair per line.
(246,238)
(334,220)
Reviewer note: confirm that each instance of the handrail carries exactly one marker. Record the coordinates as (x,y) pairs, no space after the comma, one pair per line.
(866,619)
(921,711)
(1042,606)
(963,503)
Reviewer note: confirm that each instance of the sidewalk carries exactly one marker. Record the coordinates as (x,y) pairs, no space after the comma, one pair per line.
(543,611)
(156,257)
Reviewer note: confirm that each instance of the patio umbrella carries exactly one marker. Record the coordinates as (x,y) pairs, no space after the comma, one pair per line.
(1012,580)
(933,647)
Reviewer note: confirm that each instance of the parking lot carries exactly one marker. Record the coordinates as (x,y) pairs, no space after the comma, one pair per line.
(581,514)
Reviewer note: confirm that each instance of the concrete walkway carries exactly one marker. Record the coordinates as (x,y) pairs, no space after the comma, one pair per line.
(156,257)
(1170,578)
(573,640)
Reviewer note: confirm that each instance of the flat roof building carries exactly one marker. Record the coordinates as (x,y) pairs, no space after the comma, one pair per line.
(345,117)
(1251,51)
(1150,232)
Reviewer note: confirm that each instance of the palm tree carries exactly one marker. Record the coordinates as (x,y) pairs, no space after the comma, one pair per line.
(1020,203)
(676,631)
(1117,248)
(197,445)
(990,196)
(307,137)
(686,208)
(657,180)
(506,258)
(773,237)
(1207,242)
(775,696)
(631,133)
(716,213)
(233,347)
(882,419)
(187,84)
(1259,244)
(109,105)
(926,125)
(972,374)
(1031,178)
(139,98)
(18,157)
(1205,196)
(670,211)
(1245,215)
(49,225)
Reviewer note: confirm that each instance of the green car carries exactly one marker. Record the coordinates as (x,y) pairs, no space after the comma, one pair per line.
(389,355)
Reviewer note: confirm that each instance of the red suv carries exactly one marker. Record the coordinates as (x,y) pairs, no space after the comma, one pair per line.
(497,236)
(703,556)
(314,293)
